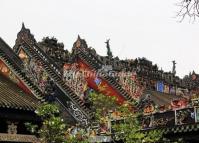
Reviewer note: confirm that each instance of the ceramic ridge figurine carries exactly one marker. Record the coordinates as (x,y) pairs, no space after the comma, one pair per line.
(174,67)
(109,53)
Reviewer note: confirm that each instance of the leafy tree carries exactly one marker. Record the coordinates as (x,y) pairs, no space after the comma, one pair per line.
(75,139)
(53,127)
(130,130)
(102,104)
(127,128)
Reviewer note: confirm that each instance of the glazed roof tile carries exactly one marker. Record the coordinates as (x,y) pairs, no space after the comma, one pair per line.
(160,98)
(11,96)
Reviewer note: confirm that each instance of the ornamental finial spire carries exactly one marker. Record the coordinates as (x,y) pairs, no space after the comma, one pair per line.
(78,38)
(109,53)
(23,26)
(174,67)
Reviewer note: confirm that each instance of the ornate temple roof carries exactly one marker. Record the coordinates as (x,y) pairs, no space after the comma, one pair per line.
(11,96)
(160,98)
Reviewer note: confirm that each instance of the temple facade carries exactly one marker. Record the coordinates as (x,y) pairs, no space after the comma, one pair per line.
(35,72)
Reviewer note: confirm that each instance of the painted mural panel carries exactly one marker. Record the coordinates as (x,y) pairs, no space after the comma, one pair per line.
(164,119)
(149,109)
(82,79)
(7,72)
(197,114)
(179,103)
(34,70)
(160,86)
(129,83)
(147,122)
(97,83)
(185,116)
(4,70)
(75,78)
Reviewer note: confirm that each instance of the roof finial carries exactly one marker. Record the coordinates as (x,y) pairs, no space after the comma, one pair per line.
(78,42)
(109,53)
(78,37)
(23,26)
(174,67)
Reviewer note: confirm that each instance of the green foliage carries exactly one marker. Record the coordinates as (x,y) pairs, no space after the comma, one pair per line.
(127,128)
(47,110)
(30,127)
(80,137)
(152,136)
(102,104)
(52,130)
(53,127)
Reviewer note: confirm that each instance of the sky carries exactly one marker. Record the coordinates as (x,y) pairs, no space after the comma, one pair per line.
(136,28)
